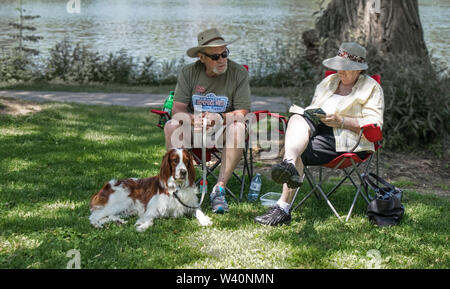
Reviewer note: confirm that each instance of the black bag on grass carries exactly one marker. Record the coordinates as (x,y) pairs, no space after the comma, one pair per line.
(386,207)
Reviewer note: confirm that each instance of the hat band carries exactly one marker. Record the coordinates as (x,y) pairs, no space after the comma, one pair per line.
(214,39)
(347,55)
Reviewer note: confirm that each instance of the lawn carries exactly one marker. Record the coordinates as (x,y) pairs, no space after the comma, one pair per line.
(52,161)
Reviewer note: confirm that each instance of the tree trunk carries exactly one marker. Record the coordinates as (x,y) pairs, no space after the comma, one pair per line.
(392,28)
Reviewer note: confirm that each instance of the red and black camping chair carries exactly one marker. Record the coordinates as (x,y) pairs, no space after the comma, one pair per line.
(213,155)
(350,164)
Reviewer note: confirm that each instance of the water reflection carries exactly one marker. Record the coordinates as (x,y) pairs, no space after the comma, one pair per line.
(165,29)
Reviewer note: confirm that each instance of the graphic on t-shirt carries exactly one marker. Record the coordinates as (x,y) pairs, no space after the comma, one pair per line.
(209,102)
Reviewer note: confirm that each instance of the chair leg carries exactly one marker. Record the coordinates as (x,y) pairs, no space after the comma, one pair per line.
(244,170)
(353,205)
(329,203)
(314,187)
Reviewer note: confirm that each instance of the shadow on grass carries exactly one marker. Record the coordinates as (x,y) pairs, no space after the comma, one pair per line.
(53,161)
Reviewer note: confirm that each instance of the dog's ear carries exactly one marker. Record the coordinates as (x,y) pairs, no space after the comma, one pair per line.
(165,170)
(190,167)
(102,196)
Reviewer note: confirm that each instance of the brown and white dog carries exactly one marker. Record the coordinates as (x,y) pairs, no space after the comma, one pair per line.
(151,198)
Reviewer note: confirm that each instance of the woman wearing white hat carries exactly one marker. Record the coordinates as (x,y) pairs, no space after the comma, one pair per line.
(350,100)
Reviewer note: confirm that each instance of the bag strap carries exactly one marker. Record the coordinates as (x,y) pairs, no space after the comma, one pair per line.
(376,188)
(384,182)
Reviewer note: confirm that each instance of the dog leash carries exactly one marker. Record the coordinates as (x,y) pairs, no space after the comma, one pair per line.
(203,168)
(175,194)
(203,161)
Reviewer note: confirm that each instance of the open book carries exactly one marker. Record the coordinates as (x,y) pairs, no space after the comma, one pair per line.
(314,114)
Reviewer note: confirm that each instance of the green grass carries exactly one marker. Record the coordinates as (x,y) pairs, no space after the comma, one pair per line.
(53,161)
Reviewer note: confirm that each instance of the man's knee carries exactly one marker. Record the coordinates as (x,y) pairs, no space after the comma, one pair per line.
(171,126)
(235,134)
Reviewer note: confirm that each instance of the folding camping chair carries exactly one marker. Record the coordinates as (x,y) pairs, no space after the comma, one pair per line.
(349,163)
(247,170)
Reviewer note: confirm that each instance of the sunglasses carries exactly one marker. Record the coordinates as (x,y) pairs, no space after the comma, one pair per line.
(216,57)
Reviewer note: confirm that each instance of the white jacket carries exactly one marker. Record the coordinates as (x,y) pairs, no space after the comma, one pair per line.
(365,103)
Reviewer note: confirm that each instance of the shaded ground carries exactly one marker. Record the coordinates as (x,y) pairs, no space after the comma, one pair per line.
(424,173)
(18,107)
(54,160)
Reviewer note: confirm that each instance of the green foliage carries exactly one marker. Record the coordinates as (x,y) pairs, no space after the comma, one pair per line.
(77,64)
(417,101)
(16,66)
(73,64)
(281,66)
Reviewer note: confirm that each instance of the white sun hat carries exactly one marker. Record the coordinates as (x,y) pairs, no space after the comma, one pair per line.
(351,56)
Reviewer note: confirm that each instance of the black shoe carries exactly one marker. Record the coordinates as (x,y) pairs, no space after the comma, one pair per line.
(275,216)
(286,172)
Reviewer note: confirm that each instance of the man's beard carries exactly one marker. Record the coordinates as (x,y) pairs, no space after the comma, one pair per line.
(217,72)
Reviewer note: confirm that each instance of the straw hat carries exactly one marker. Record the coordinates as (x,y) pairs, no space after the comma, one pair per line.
(351,56)
(208,38)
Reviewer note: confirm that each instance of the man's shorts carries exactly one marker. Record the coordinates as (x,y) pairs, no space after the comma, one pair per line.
(321,148)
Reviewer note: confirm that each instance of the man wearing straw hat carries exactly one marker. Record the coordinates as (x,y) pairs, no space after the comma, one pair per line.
(222,85)
(350,100)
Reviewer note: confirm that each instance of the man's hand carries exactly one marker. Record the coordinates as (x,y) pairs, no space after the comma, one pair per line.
(211,120)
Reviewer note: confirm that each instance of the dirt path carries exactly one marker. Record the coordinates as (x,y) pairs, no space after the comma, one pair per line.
(274,104)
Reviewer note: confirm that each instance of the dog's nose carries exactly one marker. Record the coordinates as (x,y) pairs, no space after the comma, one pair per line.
(183,172)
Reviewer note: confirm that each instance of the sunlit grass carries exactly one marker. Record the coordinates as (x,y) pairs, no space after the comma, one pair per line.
(54,160)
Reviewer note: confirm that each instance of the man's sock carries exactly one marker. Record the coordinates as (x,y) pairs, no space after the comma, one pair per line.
(285,206)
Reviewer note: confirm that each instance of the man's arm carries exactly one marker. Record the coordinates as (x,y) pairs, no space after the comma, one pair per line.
(179,107)
(234,114)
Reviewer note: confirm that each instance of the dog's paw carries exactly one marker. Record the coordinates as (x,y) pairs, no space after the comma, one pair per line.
(97,225)
(144,226)
(205,221)
(121,221)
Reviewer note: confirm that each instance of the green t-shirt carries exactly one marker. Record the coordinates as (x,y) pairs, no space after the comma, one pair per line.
(232,86)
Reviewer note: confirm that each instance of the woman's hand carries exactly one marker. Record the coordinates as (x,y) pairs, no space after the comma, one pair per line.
(332,120)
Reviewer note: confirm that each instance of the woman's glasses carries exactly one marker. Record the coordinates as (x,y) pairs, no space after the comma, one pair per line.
(216,57)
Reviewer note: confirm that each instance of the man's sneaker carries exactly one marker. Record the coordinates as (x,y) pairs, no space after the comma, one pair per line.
(218,203)
(286,172)
(275,216)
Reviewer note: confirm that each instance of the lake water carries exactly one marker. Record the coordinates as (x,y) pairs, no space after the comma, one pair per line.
(167,28)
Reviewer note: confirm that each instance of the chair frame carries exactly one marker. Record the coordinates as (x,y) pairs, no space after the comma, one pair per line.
(247,151)
(348,170)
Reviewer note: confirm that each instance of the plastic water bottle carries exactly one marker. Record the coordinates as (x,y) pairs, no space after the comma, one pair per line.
(167,107)
(255,188)
(201,186)
(168,104)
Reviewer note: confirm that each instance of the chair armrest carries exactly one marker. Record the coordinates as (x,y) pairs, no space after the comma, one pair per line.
(160,112)
(372,132)
(260,114)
